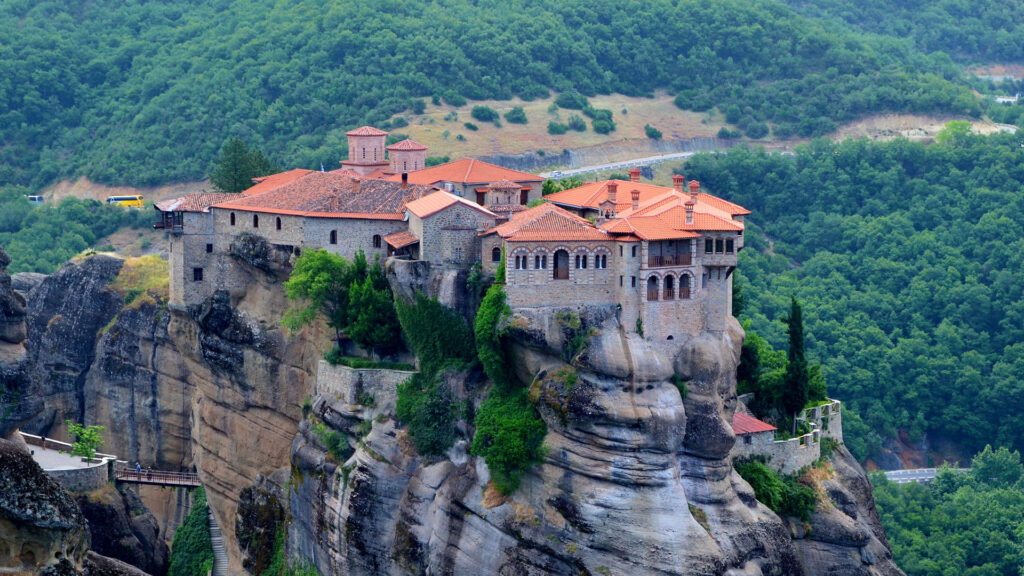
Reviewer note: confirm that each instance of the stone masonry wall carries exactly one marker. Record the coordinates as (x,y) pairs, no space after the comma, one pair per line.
(537,287)
(450,236)
(347,384)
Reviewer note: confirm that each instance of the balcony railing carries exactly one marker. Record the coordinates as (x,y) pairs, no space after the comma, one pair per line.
(684,293)
(670,294)
(684,259)
(652,294)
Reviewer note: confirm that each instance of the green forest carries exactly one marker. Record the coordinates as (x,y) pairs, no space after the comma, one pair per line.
(963,523)
(143,93)
(907,259)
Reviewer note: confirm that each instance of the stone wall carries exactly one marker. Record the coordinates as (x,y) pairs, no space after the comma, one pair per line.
(450,236)
(789,456)
(535,287)
(827,419)
(346,384)
(82,479)
(749,445)
(353,235)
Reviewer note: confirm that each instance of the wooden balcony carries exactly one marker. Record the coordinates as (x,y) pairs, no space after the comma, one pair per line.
(685,259)
(652,294)
(670,294)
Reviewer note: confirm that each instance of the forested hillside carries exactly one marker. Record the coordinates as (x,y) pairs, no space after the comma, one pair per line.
(143,93)
(975,31)
(908,259)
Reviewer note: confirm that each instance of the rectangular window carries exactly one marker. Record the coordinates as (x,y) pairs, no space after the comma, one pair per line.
(209,248)
(719,246)
(634,251)
(729,245)
(709,246)
(536,262)
(620,251)
(632,280)
(197,274)
(544,262)
(620,281)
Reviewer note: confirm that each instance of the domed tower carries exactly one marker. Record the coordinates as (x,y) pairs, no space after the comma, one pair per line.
(366,150)
(407,156)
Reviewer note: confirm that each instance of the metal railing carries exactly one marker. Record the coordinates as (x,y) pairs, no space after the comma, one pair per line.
(161,477)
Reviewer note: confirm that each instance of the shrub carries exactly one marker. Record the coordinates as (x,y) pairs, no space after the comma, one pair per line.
(516,116)
(597,113)
(418,106)
(557,128)
(726,134)
(192,549)
(471,126)
(603,126)
(435,160)
(757,129)
(571,101)
(577,123)
(488,338)
(652,132)
(453,98)
(399,122)
(434,332)
(426,406)
(784,495)
(509,436)
(484,113)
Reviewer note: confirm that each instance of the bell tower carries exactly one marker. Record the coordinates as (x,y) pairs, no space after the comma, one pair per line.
(407,156)
(366,150)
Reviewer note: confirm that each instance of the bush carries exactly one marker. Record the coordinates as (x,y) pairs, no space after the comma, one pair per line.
(557,128)
(418,106)
(452,98)
(516,116)
(488,338)
(471,126)
(436,333)
(484,113)
(784,495)
(726,134)
(597,113)
(426,406)
(577,123)
(435,160)
(509,436)
(757,130)
(652,132)
(571,101)
(335,358)
(192,549)
(603,126)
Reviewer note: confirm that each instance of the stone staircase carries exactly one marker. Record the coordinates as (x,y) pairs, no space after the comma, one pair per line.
(220,557)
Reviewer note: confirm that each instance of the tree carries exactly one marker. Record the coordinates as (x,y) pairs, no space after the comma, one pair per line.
(87,439)
(796,382)
(652,132)
(953,132)
(322,280)
(374,324)
(237,165)
(999,468)
(516,115)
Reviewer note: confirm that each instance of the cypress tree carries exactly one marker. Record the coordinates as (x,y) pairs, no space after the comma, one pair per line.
(233,170)
(796,382)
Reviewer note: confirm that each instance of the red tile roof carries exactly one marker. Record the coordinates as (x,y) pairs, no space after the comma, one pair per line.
(193,202)
(467,171)
(407,144)
(333,195)
(366,131)
(272,181)
(401,239)
(647,228)
(743,424)
(592,194)
(549,223)
(433,203)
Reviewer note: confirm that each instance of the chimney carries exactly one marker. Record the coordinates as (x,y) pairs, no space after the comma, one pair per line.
(357,184)
(636,198)
(613,188)
(634,175)
(694,189)
(689,211)
(677,182)
(405,180)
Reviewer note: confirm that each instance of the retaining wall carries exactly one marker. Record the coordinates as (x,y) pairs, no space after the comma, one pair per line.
(349,384)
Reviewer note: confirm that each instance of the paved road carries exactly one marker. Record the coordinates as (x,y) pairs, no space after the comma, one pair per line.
(915,475)
(646,161)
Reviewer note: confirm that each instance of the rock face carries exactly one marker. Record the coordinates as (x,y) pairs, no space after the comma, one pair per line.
(42,530)
(12,306)
(637,479)
(123,529)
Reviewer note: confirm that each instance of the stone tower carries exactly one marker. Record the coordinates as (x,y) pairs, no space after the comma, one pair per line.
(407,156)
(366,150)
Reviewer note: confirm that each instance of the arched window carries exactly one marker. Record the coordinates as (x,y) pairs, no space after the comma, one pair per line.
(561,265)
(540,262)
(581,260)
(496,255)
(652,288)
(670,288)
(278,222)
(684,286)
(232,218)
(376,240)
(255,220)
(334,236)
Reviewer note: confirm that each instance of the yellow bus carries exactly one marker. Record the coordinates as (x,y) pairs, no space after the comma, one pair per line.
(130,201)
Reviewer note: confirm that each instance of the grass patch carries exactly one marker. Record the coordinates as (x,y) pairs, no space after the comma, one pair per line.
(700,516)
(334,357)
(143,280)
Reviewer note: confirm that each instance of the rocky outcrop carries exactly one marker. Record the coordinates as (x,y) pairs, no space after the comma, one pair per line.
(42,531)
(637,477)
(15,387)
(12,306)
(123,529)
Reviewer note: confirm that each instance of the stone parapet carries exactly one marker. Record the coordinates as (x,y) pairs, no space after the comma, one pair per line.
(357,385)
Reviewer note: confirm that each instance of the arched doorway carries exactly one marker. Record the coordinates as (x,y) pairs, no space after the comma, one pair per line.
(561,265)
(670,288)
(652,288)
